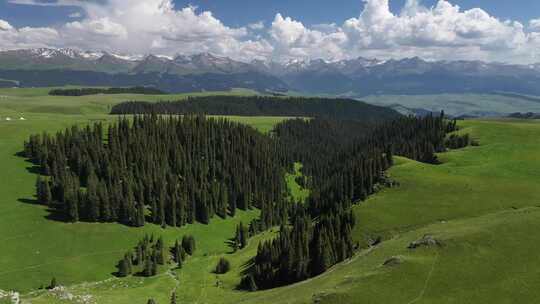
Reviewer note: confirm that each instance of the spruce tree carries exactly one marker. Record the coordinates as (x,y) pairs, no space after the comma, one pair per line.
(43,191)
(248,283)
(223,201)
(177,251)
(223,266)
(73,208)
(242,235)
(147,270)
(123,268)
(188,244)
(159,252)
(46,197)
(173,297)
(53,283)
(154,266)
(140,214)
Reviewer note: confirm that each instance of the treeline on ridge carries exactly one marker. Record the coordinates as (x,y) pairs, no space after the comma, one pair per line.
(94,91)
(181,169)
(345,109)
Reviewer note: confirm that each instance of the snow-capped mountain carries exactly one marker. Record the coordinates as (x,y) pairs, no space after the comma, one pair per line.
(65,59)
(49,53)
(353,77)
(199,72)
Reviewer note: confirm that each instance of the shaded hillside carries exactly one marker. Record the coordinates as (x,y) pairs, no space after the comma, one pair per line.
(166,82)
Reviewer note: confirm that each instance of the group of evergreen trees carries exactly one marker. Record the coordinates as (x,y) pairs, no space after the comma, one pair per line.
(94,91)
(455,141)
(168,171)
(149,253)
(240,237)
(182,249)
(262,106)
(304,249)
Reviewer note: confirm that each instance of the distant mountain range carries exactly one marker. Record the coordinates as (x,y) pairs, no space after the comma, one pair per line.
(353,78)
(201,72)
(528,115)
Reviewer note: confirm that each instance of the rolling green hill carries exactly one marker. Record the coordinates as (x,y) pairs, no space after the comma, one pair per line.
(482,205)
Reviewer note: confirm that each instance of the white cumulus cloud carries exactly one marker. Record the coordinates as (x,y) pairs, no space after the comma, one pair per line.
(293,40)
(26,37)
(442,26)
(534,25)
(5,26)
(443,31)
(257,26)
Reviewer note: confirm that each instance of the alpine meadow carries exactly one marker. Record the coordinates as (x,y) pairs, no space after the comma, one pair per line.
(164,152)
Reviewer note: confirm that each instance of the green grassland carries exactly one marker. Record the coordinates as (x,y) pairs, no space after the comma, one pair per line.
(25,101)
(36,248)
(482,204)
(298,193)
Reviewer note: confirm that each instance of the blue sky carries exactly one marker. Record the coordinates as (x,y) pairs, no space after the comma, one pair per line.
(489,30)
(239,12)
(242,12)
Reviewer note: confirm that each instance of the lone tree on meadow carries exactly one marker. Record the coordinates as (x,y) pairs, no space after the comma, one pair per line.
(241,236)
(223,266)
(53,284)
(188,243)
(179,253)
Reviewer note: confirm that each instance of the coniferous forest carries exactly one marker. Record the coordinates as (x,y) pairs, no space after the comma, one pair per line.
(348,109)
(345,162)
(168,171)
(176,170)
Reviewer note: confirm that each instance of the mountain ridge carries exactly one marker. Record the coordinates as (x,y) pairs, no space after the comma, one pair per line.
(356,77)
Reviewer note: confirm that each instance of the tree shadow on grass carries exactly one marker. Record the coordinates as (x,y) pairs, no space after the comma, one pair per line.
(32,168)
(53,213)
(32,201)
(248,267)
(231,243)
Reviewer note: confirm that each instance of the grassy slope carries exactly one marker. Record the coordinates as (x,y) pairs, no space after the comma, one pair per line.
(482,203)
(489,253)
(22,102)
(37,248)
(297,192)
